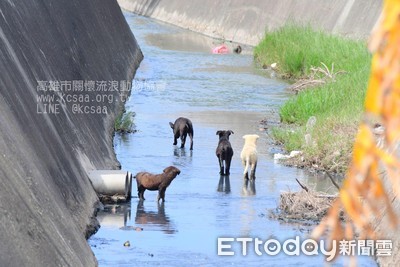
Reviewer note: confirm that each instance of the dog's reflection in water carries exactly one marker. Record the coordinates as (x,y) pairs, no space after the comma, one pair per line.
(182,153)
(224,184)
(158,218)
(249,187)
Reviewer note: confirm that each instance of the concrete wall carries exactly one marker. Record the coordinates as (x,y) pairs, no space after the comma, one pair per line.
(246,21)
(46,200)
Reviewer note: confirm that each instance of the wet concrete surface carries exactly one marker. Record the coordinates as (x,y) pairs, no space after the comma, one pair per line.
(217,92)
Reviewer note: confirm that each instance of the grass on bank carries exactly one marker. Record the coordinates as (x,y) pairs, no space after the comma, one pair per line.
(337,105)
(124,122)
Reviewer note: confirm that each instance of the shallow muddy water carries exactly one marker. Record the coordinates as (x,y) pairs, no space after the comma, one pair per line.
(180,77)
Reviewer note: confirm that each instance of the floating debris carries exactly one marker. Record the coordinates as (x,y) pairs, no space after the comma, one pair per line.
(303,206)
(131,228)
(294,153)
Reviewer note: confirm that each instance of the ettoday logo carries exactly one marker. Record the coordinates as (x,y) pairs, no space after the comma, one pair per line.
(309,247)
(272,247)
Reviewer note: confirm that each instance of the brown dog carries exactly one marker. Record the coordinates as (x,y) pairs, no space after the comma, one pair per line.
(154,182)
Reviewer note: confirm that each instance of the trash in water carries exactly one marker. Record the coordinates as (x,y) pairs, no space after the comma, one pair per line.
(222,49)
(292,154)
(131,228)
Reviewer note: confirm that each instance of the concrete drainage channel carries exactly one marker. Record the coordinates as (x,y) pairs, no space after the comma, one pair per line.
(180,77)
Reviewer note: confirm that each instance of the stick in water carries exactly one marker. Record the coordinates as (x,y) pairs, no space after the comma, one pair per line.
(302,186)
(333,181)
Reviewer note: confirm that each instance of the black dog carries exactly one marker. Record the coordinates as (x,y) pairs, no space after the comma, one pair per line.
(238,49)
(224,151)
(181,128)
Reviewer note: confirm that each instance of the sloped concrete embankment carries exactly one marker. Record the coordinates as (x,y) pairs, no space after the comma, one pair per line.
(246,21)
(46,200)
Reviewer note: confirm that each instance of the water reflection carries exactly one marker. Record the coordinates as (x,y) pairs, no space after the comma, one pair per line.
(158,218)
(115,216)
(181,152)
(224,184)
(322,183)
(249,187)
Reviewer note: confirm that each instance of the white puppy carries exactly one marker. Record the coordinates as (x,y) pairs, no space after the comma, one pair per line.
(249,155)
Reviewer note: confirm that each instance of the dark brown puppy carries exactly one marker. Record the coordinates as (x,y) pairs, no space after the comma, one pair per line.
(181,128)
(154,182)
(224,151)
(238,49)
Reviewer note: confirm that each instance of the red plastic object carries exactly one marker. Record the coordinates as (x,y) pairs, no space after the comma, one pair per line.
(222,49)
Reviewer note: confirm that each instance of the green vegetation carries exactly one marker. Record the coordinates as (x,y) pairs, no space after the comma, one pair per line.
(124,122)
(336,104)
